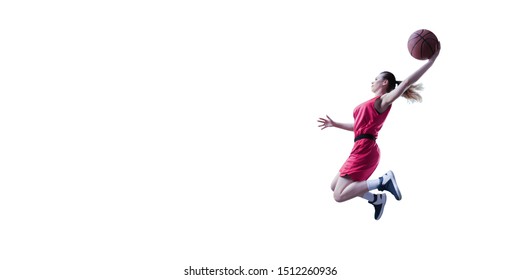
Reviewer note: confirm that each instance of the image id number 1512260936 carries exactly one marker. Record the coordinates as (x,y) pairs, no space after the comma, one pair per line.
(303,270)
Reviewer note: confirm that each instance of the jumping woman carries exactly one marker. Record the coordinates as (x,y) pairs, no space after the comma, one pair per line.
(352,179)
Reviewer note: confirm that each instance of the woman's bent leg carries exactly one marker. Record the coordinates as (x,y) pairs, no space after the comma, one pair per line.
(347,188)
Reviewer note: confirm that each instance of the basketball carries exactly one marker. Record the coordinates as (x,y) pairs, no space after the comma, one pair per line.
(422,44)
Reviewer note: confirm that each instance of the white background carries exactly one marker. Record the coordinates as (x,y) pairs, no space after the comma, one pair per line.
(138,138)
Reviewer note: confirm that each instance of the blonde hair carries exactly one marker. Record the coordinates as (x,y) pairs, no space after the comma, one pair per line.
(412,93)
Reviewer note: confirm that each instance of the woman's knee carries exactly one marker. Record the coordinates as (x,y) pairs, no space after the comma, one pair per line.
(334,182)
(337,197)
(343,190)
(339,193)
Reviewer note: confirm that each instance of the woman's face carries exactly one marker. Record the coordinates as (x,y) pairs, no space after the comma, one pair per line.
(379,83)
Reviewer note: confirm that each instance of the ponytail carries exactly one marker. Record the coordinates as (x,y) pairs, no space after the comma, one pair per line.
(411,94)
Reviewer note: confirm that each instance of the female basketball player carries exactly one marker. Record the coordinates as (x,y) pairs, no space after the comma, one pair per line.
(352,179)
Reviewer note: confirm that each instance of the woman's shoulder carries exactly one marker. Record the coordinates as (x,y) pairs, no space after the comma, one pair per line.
(377,105)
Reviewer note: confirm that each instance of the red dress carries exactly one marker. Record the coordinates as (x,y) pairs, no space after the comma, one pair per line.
(364,158)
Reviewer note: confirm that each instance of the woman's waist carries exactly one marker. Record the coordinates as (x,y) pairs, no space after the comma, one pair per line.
(370,136)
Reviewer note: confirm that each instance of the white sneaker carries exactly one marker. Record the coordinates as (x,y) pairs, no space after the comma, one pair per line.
(388,183)
(379,205)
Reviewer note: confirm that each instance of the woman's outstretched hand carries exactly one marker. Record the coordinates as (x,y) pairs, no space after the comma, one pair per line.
(436,53)
(325,123)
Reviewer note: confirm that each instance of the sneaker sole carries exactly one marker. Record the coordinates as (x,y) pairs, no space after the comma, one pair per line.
(382,208)
(397,194)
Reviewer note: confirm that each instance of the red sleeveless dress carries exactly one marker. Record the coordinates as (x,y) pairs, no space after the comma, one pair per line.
(364,157)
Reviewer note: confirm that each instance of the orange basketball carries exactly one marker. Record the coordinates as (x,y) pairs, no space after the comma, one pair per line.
(422,44)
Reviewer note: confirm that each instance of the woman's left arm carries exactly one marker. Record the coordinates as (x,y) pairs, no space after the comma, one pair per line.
(389,98)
